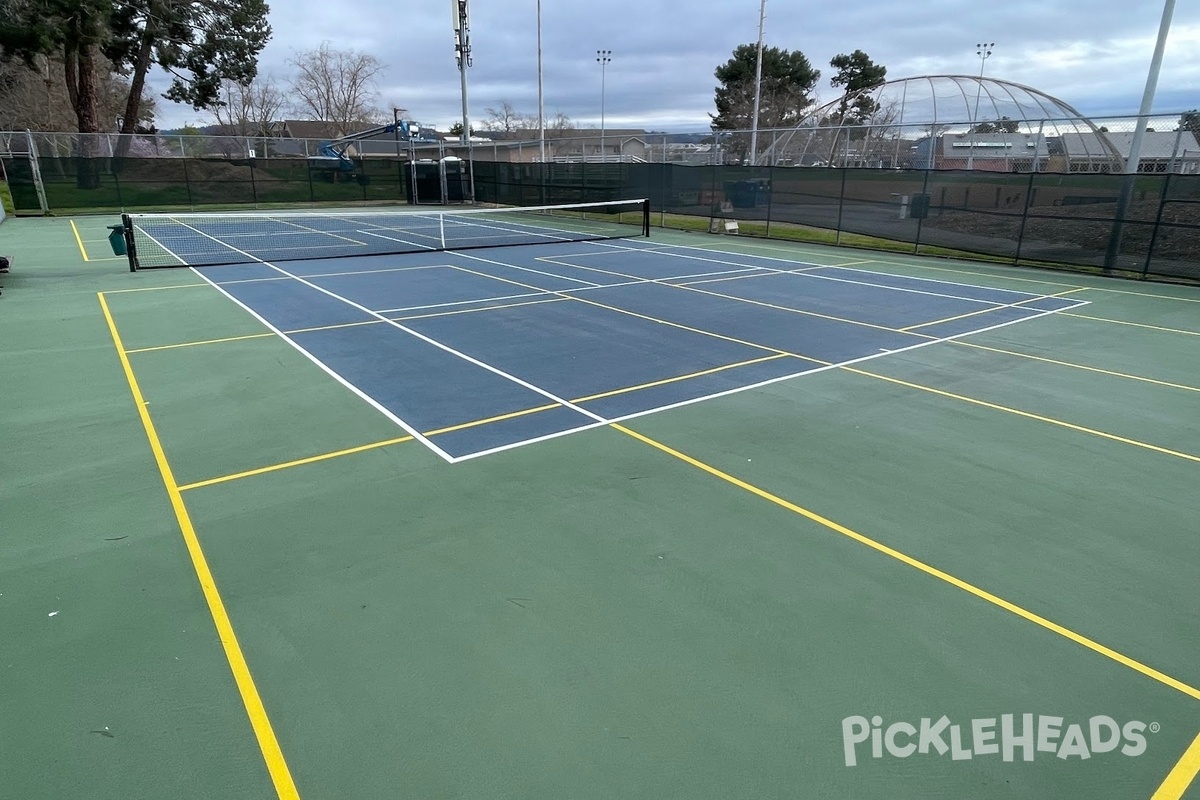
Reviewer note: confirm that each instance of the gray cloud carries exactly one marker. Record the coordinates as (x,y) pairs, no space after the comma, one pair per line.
(1094,56)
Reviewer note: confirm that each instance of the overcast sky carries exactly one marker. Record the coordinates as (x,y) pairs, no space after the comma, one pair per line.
(1094,55)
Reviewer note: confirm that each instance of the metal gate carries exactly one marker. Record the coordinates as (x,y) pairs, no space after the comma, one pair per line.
(19,167)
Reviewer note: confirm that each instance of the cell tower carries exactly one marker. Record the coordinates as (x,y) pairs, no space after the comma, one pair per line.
(461,20)
(462,53)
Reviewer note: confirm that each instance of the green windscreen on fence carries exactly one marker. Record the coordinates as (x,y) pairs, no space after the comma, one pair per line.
(1054,219)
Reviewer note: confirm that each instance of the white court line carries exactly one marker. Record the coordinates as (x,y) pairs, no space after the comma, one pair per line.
(503,307)
(315,230)
(456,302)
(599,420)
(854,269)
(394,239)
(413,230)
(807,273)
(168,250)
(320,364)
(763,272)
(330,371)
(636,278)
(375,271)
(553,274)
(769,381)
(319,274)
(428,340)
(685,287)
(1019,305)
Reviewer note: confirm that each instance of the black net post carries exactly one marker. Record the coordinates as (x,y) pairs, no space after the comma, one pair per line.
(130,247)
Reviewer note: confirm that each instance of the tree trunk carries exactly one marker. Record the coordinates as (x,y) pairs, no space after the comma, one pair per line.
(83,88)
(137,84)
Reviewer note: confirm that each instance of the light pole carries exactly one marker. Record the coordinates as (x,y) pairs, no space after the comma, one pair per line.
(982,50)
(462,52)
(762,15)
(1135,147)
(541,103)
(603,57)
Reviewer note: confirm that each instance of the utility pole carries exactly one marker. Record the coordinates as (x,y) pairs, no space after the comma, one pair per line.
(603,57)
(462,52)
(541,101)
(1139,131)
(762,14)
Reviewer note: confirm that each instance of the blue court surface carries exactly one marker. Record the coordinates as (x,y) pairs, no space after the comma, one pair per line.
(478,351)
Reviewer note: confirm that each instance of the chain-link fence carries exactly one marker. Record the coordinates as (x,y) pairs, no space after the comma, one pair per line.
(1033,212)
(1171,144)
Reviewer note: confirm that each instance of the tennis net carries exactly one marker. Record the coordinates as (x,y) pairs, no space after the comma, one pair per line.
(208,239)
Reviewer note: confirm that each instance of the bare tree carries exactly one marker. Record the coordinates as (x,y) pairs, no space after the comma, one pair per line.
(248,109)
(558,131)
(560,122)
(505,119)
(337,87)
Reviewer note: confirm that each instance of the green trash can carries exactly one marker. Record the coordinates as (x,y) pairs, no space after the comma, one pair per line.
(116,238)
(919,207)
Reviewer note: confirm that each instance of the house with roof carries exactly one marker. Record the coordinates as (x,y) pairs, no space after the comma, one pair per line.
(570,145)
(994,152)
(1161,151)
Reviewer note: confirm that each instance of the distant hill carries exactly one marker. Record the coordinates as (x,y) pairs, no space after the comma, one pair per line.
(680,138)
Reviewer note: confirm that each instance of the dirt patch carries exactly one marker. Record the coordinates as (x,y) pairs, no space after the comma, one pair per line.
(1089,227)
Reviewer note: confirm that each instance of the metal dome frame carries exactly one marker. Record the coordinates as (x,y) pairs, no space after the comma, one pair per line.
(1001,95)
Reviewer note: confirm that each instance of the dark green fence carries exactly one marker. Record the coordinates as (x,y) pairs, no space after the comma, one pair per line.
(1035,219)
(1038,219)
(148,184)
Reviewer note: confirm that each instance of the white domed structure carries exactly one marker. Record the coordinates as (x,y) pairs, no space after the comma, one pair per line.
(946,122)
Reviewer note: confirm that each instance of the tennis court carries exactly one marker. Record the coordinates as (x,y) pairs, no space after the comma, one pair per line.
(472,505)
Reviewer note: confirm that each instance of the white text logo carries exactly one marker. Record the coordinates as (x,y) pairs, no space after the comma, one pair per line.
(1007,736)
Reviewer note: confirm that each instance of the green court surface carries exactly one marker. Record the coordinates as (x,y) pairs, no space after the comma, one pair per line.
(225,575)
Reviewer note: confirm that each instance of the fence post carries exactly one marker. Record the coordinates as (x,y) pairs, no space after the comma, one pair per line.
(36,169)
(837,237)
(187,182)
(1029,191)
(921,219)
(770,193)
(713,202)
(1162,203)
(253,184)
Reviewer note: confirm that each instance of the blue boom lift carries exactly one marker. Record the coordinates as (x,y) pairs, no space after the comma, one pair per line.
(333,157)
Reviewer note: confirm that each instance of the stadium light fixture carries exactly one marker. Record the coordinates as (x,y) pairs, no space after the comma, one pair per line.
(603,58)
(983,50)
